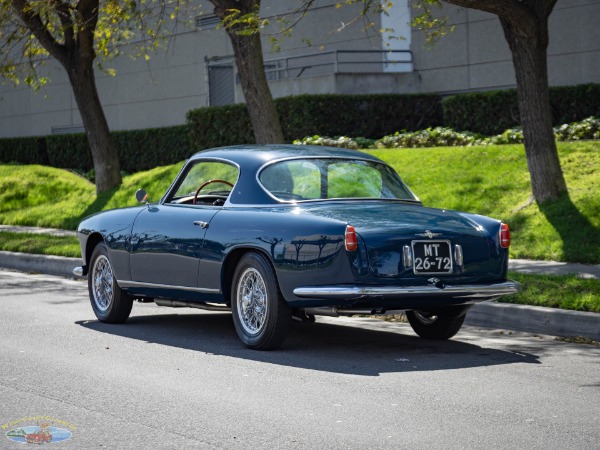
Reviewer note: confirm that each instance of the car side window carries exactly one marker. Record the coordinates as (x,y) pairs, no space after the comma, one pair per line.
(206,182)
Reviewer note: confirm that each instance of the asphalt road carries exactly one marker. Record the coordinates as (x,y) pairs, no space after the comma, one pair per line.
(179,378)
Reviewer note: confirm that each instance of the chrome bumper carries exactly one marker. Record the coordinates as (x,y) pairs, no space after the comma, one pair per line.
(472,291)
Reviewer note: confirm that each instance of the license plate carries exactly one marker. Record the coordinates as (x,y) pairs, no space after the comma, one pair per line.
(431,257)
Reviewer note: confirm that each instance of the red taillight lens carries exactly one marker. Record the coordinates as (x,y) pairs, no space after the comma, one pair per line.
(504,236)
(350,241)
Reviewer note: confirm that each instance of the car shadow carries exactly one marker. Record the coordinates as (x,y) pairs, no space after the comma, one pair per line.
(327,347)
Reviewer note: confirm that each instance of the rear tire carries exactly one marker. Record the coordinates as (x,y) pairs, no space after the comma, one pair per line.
(110,303)
(435,325)
(260,314)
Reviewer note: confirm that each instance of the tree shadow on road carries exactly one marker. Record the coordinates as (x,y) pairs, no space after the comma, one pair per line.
(348,348)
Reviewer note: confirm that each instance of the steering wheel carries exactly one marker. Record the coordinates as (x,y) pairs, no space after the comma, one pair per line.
(206,183)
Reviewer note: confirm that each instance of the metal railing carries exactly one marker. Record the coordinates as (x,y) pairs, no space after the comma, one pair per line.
(339,61)
(332,62)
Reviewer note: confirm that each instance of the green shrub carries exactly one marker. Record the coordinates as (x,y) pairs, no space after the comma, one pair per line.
(446,137)
(342,141)
(586,129)
(492,112)
(138,149)
(69,151)
(430,137)
(29,150)
(153,147)
(217,126)
(487,113)
(574,103)
(370,116)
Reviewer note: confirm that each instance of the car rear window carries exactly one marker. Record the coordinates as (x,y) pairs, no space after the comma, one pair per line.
(330,178)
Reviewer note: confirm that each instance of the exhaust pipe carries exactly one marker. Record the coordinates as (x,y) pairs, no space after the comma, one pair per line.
(183,304)
(334,311)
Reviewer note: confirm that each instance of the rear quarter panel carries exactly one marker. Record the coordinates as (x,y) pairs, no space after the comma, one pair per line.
(303,249)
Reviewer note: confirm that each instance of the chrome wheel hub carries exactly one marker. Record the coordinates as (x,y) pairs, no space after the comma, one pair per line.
(102,283)
(252,301)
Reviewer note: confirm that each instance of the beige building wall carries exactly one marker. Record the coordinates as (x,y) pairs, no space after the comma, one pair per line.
(476,56)
(160,92)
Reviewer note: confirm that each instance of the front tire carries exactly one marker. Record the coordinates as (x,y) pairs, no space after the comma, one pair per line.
(260,314)
(110,303)
(438,326)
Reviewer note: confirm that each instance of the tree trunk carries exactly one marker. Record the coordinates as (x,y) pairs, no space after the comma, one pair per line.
(76,54)
(247,50)
(528,46)
(104,151)
(525,25)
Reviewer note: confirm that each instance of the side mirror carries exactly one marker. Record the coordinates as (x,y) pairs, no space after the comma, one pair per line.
(141,196)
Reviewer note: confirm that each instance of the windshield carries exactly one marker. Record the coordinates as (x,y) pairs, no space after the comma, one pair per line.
(329,178)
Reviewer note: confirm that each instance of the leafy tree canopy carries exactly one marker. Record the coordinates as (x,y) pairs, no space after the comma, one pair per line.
(33,30)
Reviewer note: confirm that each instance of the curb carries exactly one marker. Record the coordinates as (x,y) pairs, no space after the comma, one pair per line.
(535,319)
(46,264)
(530,319)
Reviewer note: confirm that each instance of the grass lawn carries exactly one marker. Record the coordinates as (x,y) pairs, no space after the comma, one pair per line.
(40,244)
(494,181)
(556,291)
(491,180)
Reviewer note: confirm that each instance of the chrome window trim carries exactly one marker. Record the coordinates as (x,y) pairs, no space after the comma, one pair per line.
(341,158)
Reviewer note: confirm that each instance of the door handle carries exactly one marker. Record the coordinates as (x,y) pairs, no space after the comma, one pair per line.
(201,224)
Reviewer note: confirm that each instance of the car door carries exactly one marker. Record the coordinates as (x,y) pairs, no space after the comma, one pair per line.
(167,238)
(167,242)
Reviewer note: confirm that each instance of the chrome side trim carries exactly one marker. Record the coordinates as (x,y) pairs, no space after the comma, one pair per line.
(129,284)
(353,292)
(78,271)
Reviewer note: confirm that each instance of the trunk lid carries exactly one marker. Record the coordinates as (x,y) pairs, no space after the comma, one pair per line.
(385,228)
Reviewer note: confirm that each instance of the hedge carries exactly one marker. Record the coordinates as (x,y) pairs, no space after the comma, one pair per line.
(138,149)
(492,112)
(217,126)
(369,116)
(365,116)
(26,150)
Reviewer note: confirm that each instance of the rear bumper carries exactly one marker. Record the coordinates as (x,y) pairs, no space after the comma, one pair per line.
(473,292)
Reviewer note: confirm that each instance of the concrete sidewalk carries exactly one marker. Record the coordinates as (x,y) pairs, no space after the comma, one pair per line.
(532,319)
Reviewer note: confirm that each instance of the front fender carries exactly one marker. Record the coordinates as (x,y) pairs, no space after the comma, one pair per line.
(114,228)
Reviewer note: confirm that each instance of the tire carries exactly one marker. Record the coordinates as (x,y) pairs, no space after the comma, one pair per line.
(110,303)
(260,314)
(438,326)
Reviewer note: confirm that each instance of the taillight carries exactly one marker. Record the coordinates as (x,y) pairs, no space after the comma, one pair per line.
(504,235)
(350,239)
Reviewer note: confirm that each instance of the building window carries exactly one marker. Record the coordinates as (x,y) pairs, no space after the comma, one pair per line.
(207,22)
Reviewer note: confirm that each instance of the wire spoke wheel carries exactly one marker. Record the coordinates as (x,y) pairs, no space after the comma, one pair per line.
(252,301)
(260,314)
(110,303)
(102,278)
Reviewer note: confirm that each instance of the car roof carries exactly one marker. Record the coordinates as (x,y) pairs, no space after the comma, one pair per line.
(261,154)
(251,158)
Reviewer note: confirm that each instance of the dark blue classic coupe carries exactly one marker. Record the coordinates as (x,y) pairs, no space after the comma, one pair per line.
(275,232)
